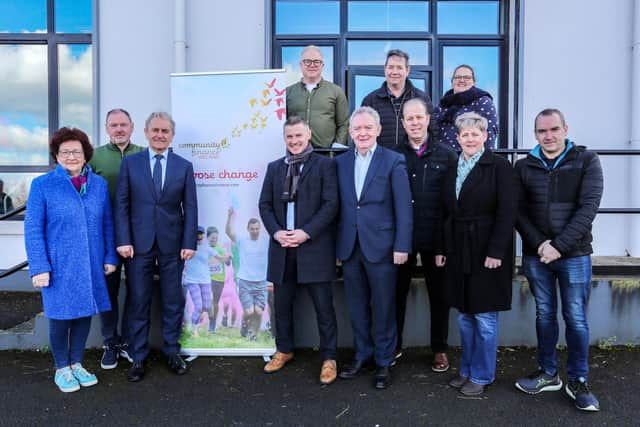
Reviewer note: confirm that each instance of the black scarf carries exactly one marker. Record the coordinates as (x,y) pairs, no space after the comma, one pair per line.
(451,102)
(294,162)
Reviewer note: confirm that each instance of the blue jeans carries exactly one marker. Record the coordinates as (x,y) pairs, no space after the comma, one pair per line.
(67,339)
(573,276)
(479,339)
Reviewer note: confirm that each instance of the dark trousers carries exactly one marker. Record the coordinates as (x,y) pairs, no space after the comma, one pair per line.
(438,307)
(109,319)
(370,289)
(141,269)
(322,296)
(67,339)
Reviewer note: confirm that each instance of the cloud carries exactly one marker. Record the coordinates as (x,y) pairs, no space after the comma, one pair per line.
(24,96)
(21,146)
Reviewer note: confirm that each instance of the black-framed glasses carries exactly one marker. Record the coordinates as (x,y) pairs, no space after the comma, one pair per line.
(310,62)
(465,78)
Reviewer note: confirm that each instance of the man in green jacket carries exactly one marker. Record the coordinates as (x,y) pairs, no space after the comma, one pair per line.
(106,163)
(320,103)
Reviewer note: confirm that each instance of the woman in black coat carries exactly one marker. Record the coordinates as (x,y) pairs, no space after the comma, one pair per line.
(478,214)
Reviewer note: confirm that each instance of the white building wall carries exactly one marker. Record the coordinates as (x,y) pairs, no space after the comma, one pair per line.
(136,49)
(577,57)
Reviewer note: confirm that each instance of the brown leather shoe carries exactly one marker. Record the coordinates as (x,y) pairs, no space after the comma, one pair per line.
(277,362)
(329,372)
(440,362)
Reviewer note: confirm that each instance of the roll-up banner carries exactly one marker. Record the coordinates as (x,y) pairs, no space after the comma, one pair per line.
(229,125)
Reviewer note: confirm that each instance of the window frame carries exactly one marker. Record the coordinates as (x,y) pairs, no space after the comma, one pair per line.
(342,74)
(52,40)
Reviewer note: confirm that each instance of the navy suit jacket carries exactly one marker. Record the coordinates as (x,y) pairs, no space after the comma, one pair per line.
(382,219)
(143,217)
(315,213)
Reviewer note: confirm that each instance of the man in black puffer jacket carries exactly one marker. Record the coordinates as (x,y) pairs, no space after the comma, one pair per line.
(561,189)
(427,163)
(391,96)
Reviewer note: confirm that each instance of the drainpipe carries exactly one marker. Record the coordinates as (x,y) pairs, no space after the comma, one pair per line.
(634,143)
(180,37)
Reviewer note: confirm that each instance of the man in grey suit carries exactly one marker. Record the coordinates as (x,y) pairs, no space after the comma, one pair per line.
(298,205)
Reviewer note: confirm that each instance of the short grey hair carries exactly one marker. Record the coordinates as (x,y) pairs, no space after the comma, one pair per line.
(365,110)
(160,115)
(309,48)
(471,120)
(418,101)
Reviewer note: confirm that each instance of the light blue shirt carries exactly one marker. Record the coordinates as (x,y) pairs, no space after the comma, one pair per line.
(163,162)
(361,168)
(464,168)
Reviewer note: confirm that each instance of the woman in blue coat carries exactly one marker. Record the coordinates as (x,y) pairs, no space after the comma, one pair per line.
(70,247)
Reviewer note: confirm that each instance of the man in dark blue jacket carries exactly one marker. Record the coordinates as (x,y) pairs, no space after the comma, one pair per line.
(156,224)
(391,96)
(561,189)
(374,237)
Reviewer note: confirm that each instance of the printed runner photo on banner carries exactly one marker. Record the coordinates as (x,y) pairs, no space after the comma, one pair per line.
(229,125)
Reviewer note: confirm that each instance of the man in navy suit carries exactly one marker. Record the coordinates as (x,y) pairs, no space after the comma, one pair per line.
(156,224)
(298,205)
(374,236)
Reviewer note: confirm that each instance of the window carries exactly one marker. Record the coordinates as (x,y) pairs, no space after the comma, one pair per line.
(46,67)
(438,35)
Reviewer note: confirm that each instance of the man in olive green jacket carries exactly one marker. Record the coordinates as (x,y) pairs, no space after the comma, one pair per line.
(320,103)
(106,162)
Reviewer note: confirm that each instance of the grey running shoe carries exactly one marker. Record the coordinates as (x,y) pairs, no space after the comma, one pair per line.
(539,381)
(580,393)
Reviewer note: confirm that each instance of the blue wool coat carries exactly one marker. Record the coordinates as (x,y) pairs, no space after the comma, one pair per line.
(71,237)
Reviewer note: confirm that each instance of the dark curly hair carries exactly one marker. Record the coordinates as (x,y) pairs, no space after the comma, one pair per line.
(65,134)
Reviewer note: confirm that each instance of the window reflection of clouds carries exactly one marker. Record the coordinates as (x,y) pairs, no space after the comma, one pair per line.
(23,105)
(483,59)
(307,17)
(76,86)
(468,17)
(24,94)
(291,63)
(374,52)
(24,16)
(17,186)
(388,16)
(73,16)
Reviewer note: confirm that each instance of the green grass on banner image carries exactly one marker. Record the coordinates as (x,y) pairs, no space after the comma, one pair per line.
(224,338)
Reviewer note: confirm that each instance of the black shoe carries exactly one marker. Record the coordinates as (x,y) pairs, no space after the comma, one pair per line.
(382,378)
(355,369)
(136,372)
(177,365)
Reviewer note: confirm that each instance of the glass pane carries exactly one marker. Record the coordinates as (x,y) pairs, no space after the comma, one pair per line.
(16,186)
(76,86)
(374,52)
(307,17)
(483,59)
(25,16)
(388,16)
(23,105)
(291,63)
(73,16)
(366,84)
(468,17)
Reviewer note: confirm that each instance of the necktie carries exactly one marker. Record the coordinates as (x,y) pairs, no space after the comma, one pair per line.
(157,174)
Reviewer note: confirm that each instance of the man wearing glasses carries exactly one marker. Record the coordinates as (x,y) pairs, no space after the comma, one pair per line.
(320,103)
(106,162)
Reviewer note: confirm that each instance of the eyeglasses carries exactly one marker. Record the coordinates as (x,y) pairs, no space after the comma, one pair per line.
(65,154)
(465,78)
(309,62)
